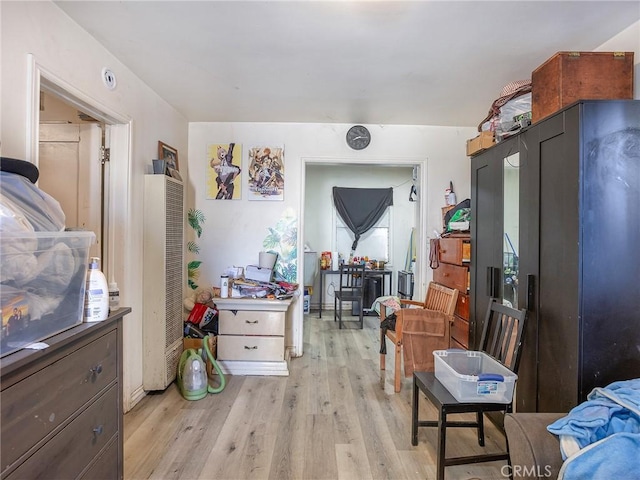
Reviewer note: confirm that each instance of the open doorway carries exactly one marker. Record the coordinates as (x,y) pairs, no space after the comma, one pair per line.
(71,160)
(113,185)
(320,228)
(88,175)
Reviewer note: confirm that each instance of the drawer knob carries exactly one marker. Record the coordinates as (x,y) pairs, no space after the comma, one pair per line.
(255,347)
(253,322)
(98,430)
(97,370)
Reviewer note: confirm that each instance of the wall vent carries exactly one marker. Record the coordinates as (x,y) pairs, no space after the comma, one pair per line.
(163,280)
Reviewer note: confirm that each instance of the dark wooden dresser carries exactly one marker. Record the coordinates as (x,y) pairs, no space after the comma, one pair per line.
(62,406)
(453,272)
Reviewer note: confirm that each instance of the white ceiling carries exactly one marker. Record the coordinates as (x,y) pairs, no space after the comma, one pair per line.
(394,62)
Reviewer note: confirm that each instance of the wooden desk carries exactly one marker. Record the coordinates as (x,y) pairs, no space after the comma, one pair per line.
(382,274)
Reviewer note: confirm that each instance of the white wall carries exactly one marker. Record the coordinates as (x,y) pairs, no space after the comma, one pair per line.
(627,40)
(234,229)
(62,48)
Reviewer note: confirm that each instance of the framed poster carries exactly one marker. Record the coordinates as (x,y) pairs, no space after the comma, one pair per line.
(266,173)
(170,154)
(223,173)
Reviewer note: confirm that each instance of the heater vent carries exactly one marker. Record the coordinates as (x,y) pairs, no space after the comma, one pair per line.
(163,279)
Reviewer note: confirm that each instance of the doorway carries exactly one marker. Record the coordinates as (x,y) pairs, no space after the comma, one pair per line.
(115,205)
(96,190)
(318,226)
(71,164)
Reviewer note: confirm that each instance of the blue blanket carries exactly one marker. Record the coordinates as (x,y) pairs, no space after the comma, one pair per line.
(600,438)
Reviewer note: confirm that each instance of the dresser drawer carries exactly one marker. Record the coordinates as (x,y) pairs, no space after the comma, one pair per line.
(68,453)
(454,344)
(460,331)
(248,348)
(247,322)
(462,306)
(36,406)
(452,276)
(106,467)
(455,250)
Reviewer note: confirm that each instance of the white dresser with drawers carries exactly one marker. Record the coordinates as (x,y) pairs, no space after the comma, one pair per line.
(251,336)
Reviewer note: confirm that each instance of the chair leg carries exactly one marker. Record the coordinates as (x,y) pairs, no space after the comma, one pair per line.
(442,441)
(397,374)
(383,357)
(414,414)
(480,418)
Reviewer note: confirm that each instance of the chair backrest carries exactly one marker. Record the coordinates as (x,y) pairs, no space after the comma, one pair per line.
(441,298)
(351,277)
(502,334)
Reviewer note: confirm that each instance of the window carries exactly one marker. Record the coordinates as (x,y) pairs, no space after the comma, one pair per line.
(375,244)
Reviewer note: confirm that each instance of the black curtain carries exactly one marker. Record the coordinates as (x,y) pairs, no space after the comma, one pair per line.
(361,208)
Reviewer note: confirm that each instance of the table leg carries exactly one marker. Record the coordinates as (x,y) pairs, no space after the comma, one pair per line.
(442,441)
(414,415)
(321,294)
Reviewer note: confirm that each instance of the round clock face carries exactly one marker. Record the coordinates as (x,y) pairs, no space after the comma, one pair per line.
(358,137)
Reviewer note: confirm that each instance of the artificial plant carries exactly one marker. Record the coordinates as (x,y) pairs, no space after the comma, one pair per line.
(195,219)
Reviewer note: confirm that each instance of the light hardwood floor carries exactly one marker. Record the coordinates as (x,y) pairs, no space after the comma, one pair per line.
(335,417)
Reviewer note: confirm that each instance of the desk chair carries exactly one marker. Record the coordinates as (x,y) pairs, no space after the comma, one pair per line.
(351,289)
(501,338)
(435,316)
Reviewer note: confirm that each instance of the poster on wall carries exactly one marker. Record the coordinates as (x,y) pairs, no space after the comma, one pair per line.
(266,173)
(223,174)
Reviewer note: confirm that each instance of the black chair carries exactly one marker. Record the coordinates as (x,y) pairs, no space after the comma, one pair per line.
(351,289)
(501,338)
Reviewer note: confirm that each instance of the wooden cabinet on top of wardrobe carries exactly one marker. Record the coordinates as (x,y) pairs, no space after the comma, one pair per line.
(454,254)
(556,229)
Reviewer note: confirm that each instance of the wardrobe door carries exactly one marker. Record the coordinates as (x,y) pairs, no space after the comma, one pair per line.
(487,232)
(558,321)
(610,244)
(526,397)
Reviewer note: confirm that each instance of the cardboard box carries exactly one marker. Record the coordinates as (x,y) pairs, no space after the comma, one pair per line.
(42,285)
(570,76)
(480,143)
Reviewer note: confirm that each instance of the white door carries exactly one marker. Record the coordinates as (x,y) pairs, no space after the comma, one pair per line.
(71,172)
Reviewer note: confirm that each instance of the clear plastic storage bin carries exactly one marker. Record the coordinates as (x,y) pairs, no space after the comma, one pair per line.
(42,285)
(473,376)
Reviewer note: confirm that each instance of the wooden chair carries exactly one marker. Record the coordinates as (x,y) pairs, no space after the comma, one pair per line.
(351,289)
(502,335)
(435,313)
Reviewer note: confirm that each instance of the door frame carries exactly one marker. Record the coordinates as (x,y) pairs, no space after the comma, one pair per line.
(422,253)
(117,172)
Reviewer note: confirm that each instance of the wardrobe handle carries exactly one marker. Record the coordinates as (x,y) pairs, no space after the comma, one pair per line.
(493,282)
(531,288)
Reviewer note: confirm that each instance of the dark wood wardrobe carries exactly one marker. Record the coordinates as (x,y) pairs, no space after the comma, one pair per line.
(556,229)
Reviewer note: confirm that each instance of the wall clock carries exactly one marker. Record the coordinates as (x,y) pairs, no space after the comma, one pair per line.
(358,137)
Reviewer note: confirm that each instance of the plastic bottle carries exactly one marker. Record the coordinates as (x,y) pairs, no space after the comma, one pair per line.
(96,302)
(114,296)
(224,286)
